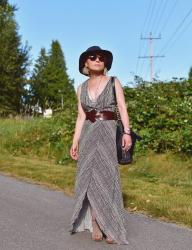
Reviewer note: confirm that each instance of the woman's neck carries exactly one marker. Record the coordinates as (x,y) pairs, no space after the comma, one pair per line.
(95,74)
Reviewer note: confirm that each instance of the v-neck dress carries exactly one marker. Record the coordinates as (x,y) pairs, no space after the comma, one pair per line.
(97,181)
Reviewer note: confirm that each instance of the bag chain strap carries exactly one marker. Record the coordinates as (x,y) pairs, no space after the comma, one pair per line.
(116,106)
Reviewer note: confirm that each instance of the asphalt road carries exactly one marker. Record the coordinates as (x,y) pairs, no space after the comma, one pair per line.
(34,217)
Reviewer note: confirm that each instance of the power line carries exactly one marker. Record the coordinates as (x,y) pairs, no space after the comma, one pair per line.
(173,38)
(156,23)
(170,14)
(144,24)
(179,35)
(153,14)
(150,15)
(151,8)
(159,17)
(146,17)
(167,20)
(151,56)
(176,30)
(180,29)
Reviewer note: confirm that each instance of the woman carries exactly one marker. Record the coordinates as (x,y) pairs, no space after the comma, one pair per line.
(98,197)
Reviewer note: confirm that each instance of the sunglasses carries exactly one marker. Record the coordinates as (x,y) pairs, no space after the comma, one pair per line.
(93,57)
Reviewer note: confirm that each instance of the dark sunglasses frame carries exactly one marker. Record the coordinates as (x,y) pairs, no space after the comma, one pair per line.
(93,57)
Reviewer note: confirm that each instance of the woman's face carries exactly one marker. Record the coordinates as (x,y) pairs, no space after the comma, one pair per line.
(95,62)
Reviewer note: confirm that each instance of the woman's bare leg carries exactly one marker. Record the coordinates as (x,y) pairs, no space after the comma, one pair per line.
(93,214)
(97,233)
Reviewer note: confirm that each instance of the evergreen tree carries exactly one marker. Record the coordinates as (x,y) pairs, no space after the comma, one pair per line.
(60,87)
(39,86)
(14,61)
(51,86)
(190,73)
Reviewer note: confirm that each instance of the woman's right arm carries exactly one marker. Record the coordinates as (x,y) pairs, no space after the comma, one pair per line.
(80,118)
(78,127)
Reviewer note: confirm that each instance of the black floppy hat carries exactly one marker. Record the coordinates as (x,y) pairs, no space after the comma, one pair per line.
(83,57)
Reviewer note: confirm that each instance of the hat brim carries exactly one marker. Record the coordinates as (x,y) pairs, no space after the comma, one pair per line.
(83,57)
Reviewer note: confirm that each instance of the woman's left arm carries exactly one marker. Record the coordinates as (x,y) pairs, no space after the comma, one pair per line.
(126,139)
(121,104)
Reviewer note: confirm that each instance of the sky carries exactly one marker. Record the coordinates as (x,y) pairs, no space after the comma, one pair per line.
(117,26)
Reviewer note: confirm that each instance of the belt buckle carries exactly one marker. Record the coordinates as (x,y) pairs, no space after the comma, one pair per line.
(97,116)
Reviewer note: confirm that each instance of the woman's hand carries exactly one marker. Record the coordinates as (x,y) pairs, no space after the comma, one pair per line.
(74,151)
(126,142)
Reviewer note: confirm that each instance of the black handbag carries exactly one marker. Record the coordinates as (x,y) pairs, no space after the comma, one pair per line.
(124,157)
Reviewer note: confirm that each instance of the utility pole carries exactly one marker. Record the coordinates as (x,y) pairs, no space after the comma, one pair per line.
(151,56)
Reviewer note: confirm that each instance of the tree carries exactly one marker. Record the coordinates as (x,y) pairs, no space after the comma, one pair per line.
(51,84)
(14,61)
(39,86)
(190,73)
(57,77)
(138,80)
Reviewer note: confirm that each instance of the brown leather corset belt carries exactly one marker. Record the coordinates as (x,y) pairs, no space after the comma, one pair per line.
(94,115)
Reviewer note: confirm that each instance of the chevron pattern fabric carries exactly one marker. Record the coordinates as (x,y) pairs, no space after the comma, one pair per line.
(97,176)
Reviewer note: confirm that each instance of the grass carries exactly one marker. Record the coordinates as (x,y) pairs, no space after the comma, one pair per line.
(157,185)
(39,171)
(45,138)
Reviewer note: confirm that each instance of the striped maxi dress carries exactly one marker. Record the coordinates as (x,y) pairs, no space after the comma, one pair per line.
(97,181)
